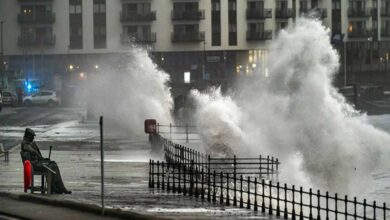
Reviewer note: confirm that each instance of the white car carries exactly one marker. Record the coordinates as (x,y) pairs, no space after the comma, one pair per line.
(44,97)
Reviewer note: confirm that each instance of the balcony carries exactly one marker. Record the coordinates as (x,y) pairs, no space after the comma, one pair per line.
(182,37)
(360,33)
(316,12)
(136,17)
(138,38)
(359,13)
(284,13)
(385,32)
(41,18)
(187,15)
(30,40)
(258,14)
(258,35)
(385,12)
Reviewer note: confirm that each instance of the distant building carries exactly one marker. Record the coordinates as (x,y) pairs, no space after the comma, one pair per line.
(214,40)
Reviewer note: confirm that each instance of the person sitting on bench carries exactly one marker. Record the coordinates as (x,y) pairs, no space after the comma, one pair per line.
(28,145)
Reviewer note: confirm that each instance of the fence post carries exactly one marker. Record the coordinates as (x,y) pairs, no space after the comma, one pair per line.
(214,186)
(270,198)
(318,205)
(277,200)
(235,182)
(263,195)
(221,187)
(285,202)
(168,185)
(208,186)
(186,133)
(374,209)
(150,173)
(227,189)
(277,169)
(272,167)
(364,209)
(162,175)
(191,177)
(354,208)
(301,203)
(260,167)
(248,192)
(184,180)
(293,202)
(267,166)
(202,192)
(158,174)
(327,205)
(196,182)
(255,204)
(346,207)
(335,205)
(310,204)
(241,200)
(179,177)
(384,211)
(173,177)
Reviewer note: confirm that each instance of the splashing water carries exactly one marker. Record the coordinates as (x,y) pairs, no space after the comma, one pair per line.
(127,97)
(296,115)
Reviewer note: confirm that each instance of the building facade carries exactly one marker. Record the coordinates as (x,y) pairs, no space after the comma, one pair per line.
(51,41)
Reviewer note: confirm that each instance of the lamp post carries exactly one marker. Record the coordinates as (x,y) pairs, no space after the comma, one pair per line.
(2,54)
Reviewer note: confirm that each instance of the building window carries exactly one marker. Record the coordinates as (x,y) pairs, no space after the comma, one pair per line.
(336,4)
(75,24)
(216,23)
(232,5)
(99,24)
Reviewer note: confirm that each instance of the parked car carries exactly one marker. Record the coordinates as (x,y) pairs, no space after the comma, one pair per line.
(44,97)
(9,98)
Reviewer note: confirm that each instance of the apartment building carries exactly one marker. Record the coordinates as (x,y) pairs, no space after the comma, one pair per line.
(214,40)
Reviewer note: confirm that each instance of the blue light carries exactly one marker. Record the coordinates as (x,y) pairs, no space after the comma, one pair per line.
(29,87)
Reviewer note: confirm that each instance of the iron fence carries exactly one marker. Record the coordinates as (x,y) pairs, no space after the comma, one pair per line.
(282,200)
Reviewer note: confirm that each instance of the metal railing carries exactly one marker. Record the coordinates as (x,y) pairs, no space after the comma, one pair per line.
(178,132)
(192,173)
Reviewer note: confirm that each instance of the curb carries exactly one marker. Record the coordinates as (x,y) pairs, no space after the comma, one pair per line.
(84,207)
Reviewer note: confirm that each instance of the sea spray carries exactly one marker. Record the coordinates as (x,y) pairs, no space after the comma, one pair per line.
(297,115)
(128,95)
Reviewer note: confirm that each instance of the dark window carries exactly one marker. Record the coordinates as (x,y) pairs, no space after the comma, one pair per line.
(75,24)
(232,22)
(99,24)
(216,23)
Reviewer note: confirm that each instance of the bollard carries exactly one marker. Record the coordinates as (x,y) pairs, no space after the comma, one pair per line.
(270,198)
(227,190)
(248,193)
(255,204)
(241,199)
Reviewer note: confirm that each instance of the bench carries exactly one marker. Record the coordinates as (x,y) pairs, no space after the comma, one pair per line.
(5,152)
(30,172)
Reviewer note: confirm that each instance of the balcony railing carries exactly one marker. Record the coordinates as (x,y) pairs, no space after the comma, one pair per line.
(385,12)
(359,13)
(318,12)
(360,33)
(188,37)
(138,38)
(30,40)
(258,35)
(284,13)
(187,15)
(253,14)
(385,32)
(41,18)
(134,17)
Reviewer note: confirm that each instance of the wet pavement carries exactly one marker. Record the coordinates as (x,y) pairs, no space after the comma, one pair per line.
(76,151)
